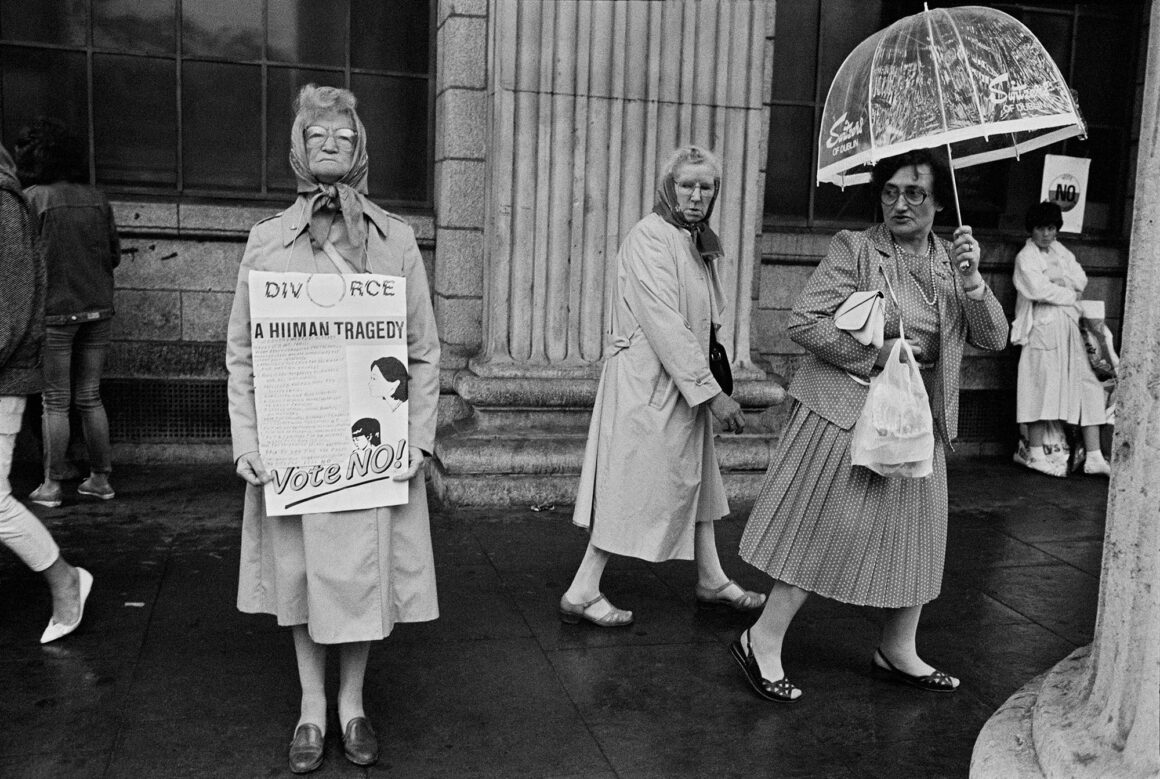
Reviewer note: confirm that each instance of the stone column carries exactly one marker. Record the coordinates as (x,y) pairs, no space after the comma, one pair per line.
(586,100)
(1097,713)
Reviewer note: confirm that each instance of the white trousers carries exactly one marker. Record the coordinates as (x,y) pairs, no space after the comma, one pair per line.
(20,530)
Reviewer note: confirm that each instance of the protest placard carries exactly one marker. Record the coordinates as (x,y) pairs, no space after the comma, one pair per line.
(330,387)
(1065,183)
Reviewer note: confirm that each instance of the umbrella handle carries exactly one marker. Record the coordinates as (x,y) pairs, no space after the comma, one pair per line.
(955,188)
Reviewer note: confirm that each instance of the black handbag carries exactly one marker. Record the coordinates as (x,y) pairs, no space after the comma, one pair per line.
(719,362)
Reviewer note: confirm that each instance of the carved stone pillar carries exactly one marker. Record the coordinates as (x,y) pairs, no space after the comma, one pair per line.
(1097,713)
(586,101)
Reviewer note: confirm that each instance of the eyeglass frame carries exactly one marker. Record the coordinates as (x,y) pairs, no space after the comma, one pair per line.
(339,140)
(886,200)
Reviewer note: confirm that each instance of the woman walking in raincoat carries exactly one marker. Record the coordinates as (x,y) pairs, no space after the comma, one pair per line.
(650,486)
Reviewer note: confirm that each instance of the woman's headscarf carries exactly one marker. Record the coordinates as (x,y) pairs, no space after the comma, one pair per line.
(8,171)
(706,241)
(348,194)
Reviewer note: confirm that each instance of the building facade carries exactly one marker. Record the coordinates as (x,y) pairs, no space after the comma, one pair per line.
(521,138)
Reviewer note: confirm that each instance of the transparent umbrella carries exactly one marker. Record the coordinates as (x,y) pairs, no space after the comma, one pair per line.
(972,79)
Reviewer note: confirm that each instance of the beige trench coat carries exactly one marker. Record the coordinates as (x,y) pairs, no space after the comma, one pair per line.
(348,576)
(650,469)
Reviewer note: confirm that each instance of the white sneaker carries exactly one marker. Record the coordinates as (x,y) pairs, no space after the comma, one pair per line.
(1096,465)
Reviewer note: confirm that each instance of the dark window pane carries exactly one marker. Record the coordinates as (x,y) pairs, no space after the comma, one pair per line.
(221,109)
(1054,32)
(44,21)
(230,29)
(135,120)
(789,173)
(795,50)
(1103,71)
(845,24)
(42,83)
(1105,147)
(390,35)
(134,25)
(308,32)
(849,206)
(282,88)
(394,111)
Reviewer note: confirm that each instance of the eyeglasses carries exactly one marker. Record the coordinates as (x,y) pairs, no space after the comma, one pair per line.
(344,138)
(915,196)
(705,190)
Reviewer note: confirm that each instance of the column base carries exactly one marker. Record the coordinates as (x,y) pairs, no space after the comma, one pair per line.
(523,442)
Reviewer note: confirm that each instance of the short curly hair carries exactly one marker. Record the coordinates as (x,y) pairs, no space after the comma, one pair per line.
(940,169)
(314,101)
(1042,215)
(47,151)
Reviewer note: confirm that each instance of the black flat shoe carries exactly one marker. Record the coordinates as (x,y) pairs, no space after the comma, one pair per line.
(938,681)
(359,743)
(780,691)
(306,749)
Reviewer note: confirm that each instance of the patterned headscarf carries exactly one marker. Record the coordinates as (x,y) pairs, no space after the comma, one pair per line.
(348,194)
(8,170)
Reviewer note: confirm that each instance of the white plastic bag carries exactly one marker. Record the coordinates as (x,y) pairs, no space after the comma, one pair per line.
(894,435)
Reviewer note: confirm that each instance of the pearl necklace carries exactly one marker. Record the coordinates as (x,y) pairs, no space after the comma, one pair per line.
(930,301)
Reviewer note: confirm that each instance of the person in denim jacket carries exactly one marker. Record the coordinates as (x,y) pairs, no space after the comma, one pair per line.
(79,239)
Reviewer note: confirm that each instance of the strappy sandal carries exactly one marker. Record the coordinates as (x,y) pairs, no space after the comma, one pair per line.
(938,681)
(746,601)
(780,691)
(571,613)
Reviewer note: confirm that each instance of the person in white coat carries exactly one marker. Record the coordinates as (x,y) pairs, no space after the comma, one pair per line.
(1056,381)
(650,486)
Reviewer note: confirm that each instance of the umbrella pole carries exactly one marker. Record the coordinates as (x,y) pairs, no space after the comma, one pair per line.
(963,266)
(954,186)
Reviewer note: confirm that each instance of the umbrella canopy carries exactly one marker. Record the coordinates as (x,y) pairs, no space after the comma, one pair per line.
(970,77)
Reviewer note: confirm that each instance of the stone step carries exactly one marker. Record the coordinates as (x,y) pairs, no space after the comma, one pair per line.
(553,489)
(483,469)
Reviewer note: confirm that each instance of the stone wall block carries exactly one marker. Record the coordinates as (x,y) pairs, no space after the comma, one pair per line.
(462,126)
(450,8)
(460,271)
(145,216)
(225,219)
(205,315)
(150,264)
(152,315)
(460,320)
(462,52)
(165,360)
(769,336)
(460,193)
(780,285)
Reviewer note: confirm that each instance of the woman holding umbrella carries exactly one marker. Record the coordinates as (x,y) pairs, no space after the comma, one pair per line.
(821,525)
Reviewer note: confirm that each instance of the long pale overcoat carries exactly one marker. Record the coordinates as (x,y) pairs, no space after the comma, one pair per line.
(349,576)
(650,470)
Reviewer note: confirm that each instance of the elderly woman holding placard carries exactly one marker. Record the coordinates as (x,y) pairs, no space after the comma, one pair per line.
(342,578)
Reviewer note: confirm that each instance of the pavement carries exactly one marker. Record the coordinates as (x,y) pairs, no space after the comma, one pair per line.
(165,678)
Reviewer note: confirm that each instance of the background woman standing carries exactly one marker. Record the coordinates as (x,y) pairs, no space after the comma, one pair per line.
(79,239)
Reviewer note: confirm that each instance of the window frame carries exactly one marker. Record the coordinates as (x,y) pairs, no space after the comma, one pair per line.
(181,193)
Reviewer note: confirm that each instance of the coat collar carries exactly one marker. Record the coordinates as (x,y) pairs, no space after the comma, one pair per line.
(295,219)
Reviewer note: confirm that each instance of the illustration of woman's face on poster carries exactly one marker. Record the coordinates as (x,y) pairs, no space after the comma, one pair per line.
(388,381)
(365,433)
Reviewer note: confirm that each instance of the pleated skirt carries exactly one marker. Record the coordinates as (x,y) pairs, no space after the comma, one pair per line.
(842,531)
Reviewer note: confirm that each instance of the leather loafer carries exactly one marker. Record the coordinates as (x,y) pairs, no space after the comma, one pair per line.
(306,749)
(359,743)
